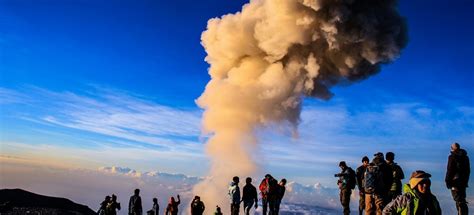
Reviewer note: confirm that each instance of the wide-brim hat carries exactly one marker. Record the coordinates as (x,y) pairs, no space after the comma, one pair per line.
(417,177)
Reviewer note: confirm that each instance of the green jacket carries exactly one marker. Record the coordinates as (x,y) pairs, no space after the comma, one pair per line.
(408,204)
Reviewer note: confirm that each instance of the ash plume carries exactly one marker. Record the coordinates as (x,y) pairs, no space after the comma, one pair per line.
(266,58)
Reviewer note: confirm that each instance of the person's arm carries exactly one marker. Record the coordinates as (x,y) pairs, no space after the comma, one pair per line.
(118,205)
(397,205)
(139,203)
(255,196)
(179,200)
(130,204)
(449,172)
(468,170)
(402,175)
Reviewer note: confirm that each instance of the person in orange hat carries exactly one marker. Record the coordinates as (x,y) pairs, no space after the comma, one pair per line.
(417,198)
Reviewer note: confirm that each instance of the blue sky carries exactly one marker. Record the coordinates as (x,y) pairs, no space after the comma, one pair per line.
(100,83)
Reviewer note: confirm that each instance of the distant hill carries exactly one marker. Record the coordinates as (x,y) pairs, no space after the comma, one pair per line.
(18,201)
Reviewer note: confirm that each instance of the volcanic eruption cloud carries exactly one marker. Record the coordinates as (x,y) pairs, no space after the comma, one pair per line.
(266,58)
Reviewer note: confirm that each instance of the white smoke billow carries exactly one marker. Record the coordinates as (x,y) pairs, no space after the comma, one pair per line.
(266,58)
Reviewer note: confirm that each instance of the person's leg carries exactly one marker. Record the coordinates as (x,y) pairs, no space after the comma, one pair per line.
(379,204)
(271,206)
(247,207)
(369,209)
(264,206)
(277,207)
(459,196)
(361,203)
(346,198)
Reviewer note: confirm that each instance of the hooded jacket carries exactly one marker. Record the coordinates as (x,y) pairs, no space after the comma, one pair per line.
(234,193)
(409,204)
(458,169)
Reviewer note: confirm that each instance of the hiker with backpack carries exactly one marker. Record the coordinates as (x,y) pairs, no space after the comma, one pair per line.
(249,196)
(268,191)
(346,184)
(374,186)
(417,198)
(397,173)
(360,171)
(172,208)
(457,177)
(234,196)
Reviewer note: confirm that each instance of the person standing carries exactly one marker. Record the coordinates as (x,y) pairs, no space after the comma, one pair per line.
(377,182)
(264,188)
(398,175)
(249,196)
(360,183)
(103,206)
(172,208)
(135,204)
(280,193)
(345,183)
(234,196)
(457,177)
(417,198)
(197,206)
(113,206)
(155,209)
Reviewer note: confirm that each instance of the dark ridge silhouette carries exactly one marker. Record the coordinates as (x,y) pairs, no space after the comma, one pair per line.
(18,201)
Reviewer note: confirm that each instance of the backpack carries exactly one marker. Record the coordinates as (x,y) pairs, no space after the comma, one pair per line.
(372,178)
(351,182)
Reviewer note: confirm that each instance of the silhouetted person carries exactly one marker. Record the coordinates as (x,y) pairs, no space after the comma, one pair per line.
(457,177)
(103,206)
(113,206)
(417,198)
(155,209)
(135,204)
(279,197)
(360,185)
(346,183)
(218,210)
(397,173)
(234,196)
(267,187)
(249,196)
(378,181)
(172,208)
(197,206)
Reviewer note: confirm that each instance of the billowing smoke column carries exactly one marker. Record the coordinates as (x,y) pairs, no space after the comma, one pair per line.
(264,59)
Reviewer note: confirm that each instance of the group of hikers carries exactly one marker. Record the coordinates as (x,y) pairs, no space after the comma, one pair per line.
(110,205)
(271,192)
(380,186)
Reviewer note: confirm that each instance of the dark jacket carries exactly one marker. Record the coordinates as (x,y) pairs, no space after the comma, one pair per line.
(387,175)
(458,169)
(360,177)
(398,175)
(281,192)
(197,207)
(135,205)
(249,193)
(112,208)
